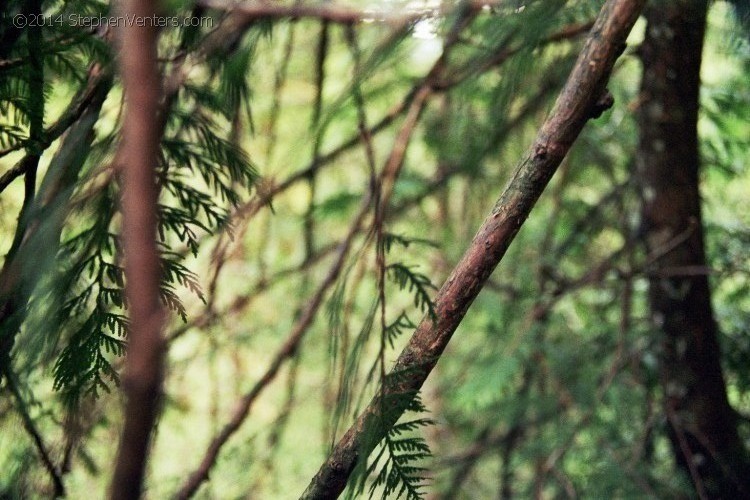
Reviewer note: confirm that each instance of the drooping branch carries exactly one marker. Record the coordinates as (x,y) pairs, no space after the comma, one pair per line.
(137,159)
(583,97)
(81,101)
(94,87)
(39,233)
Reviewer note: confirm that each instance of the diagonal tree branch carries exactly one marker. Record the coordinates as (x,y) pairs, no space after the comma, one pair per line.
(81,101)
(44,221)
(438,79)
(36,436)
(583,97)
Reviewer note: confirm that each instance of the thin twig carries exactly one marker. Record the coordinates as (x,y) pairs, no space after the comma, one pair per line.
(302,324)
(278,86)
(687,454)
(286,351)
(36,437)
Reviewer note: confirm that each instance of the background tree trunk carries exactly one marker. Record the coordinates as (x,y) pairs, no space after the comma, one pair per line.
(702,425)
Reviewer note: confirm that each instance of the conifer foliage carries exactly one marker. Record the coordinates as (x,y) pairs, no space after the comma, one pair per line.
(317,174)
(202,174)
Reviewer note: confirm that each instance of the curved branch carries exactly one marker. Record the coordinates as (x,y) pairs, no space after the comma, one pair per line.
(98,81)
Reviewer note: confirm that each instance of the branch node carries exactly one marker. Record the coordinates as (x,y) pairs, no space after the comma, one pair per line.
(605,101)
(540,151)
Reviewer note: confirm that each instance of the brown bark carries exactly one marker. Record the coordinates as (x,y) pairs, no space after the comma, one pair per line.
(702,425)
(137,158)
(583,97)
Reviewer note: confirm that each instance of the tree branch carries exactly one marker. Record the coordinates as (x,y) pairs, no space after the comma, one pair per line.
(286,351)
(580,100)
(44,221)
(97,81)
(137,159)
(36,436)
(301,326)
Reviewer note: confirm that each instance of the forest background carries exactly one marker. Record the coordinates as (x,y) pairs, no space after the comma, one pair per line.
(312,175)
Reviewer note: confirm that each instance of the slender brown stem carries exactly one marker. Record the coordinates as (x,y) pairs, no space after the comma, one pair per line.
(287,350)
(36,436)
(303,323)
(137,158)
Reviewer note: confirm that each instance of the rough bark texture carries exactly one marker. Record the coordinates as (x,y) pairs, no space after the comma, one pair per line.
(583,97)
(702,425)
(137,158)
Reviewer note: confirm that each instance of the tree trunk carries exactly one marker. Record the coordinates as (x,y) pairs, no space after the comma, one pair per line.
(702,425)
